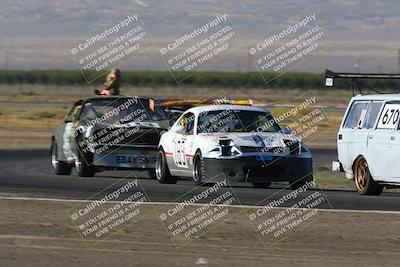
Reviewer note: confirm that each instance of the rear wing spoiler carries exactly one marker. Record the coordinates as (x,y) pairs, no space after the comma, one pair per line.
(330,77)
(179,104)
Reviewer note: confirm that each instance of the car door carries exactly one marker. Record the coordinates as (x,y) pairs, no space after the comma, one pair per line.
(390,119)
(181,143)
(352,138)
(377,143)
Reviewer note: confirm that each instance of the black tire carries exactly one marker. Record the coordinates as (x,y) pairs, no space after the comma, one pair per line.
(60,167)
(198,169)
(84,165)
(152,174)
(261,185)
(163,175)
(363,181)
(298,183)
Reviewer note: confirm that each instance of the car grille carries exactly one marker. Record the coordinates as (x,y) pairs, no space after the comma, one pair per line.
(268,171)
(252,149)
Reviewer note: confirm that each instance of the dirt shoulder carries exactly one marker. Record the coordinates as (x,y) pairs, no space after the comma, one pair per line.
(39,233)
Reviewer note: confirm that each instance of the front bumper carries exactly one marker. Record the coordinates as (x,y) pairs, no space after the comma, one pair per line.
(127,157)
(252,169)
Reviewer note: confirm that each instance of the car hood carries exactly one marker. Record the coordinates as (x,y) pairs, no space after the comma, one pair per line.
(143,124)
(255,139)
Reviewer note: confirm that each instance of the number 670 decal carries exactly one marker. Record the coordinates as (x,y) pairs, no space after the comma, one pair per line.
(389,116)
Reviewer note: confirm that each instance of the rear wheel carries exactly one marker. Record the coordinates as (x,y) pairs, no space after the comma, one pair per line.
(261,185)
(198,169)
(162,172)
(84,165)
(60,167)
(363,181)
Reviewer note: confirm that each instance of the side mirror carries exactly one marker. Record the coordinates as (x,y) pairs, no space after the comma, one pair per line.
(287,130)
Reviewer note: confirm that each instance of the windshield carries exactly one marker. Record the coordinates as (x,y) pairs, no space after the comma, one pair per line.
(236,121)
(122,110)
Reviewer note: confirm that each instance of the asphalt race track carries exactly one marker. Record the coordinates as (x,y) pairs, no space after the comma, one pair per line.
(29,174)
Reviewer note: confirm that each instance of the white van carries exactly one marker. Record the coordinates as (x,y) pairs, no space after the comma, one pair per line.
(368,142)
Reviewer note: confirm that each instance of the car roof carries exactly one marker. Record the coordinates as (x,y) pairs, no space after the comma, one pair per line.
(111,97)
(200,109)
(383,97)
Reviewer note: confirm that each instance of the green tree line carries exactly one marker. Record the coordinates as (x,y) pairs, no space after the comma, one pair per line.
(200,79)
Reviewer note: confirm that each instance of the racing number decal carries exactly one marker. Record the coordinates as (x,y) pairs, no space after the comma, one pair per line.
(179,152)
(389,116)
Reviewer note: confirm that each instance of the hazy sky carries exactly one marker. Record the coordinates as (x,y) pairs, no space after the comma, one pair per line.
(39,33)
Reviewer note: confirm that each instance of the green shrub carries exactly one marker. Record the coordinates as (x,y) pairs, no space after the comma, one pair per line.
(300,80)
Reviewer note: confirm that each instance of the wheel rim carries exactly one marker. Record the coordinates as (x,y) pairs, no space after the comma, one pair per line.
(54,160)
(78,164)
(362,175)
(159,166)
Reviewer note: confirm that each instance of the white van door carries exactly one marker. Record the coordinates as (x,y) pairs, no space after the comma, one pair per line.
(352,139)
(394,156)
(390,119)
(379,159)
(377,154)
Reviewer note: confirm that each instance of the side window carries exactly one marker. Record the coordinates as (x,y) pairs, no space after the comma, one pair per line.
(355,115)
(75,113)
(389,117)
(69,117)
(187,122)
(372,114)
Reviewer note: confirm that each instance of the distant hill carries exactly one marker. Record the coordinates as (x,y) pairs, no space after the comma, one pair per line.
(37,34)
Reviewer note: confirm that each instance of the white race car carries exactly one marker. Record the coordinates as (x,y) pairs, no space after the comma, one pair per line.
(234,142)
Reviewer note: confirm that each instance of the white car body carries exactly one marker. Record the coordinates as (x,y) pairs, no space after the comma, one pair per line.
(250,150)
(370,129)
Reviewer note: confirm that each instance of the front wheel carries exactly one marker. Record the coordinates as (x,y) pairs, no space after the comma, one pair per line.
(60,167)
(363,181)
(198,169)
(162,172)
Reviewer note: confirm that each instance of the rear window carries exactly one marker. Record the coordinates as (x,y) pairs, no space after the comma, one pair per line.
(356,112)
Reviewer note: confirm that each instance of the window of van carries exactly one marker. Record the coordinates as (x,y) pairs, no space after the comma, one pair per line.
(372,114)
(353,117)
(390,116)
